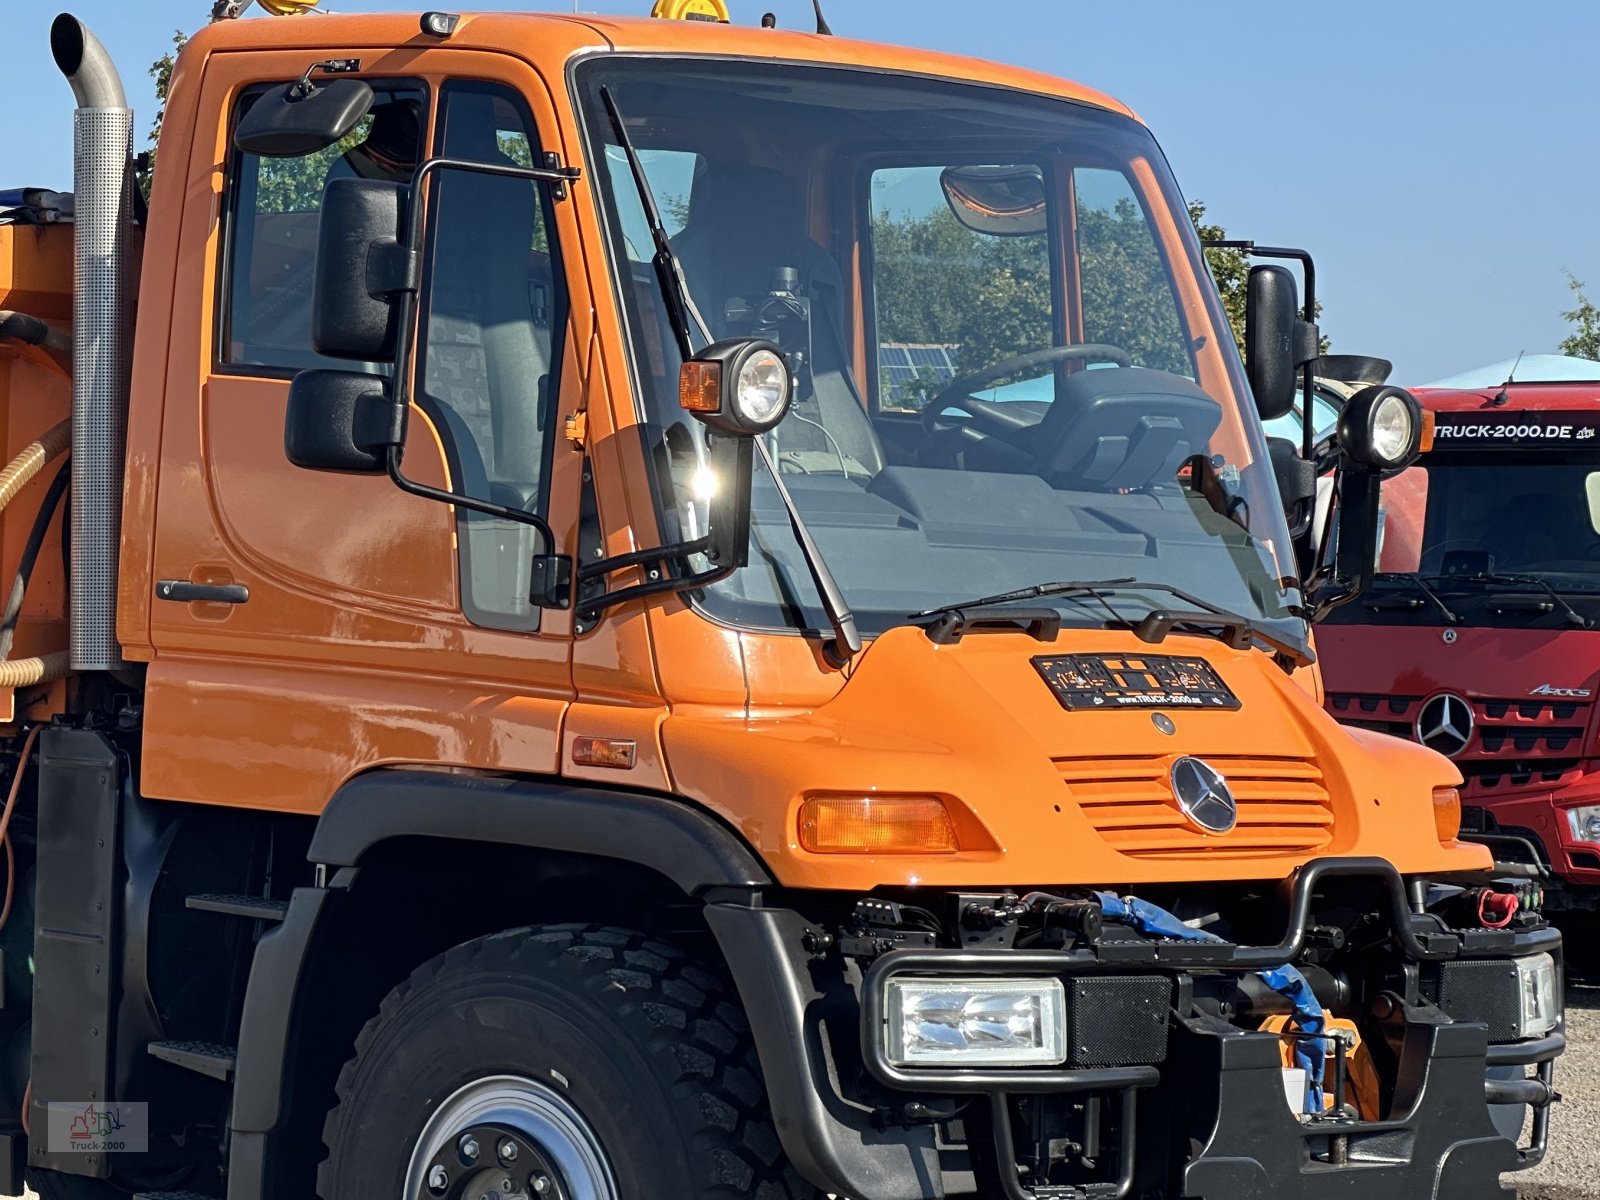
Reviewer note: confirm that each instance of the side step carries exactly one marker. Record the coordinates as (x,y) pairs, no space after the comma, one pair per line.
(256,908)
(205,1058)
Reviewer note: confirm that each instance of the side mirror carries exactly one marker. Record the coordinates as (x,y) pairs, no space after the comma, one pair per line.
(739,389)
(1277,342)
(363,267)
(302,118)
(1297,484)
(342,421)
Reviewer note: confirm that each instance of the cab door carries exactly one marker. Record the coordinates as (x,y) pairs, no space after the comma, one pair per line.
(306,626)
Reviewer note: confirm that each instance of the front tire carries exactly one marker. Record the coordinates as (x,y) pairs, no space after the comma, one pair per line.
(608,1064)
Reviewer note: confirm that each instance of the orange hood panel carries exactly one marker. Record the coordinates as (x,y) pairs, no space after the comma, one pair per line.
(1061,797)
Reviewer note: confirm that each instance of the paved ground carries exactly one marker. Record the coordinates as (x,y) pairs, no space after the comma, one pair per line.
(1572,1171)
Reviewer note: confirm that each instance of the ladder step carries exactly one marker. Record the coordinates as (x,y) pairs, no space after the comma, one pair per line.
(206,1058)
(257,908)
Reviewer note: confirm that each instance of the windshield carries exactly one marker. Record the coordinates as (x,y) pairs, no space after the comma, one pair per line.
(1489,532)
(1009,369)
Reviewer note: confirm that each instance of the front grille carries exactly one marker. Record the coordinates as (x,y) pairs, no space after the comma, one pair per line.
(1117,1020)
(1505,731)
(1283,806)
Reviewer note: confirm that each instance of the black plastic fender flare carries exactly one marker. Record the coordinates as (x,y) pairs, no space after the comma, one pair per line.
(670,836)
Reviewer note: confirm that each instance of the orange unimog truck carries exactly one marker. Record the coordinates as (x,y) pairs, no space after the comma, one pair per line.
(564,673)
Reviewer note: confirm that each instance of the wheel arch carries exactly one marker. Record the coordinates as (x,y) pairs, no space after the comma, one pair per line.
(392,843)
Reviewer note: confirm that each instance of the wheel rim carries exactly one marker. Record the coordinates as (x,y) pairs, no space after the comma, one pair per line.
(508,1138)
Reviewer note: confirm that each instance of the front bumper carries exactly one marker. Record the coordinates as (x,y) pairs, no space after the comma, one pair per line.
(1208,1120)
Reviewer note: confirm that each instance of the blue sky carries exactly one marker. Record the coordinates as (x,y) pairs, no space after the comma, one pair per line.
(1439,159)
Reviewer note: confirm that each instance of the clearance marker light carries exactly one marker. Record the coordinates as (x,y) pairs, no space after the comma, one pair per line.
(618,754)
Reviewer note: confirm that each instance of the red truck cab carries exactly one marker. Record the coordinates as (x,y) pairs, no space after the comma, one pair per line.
(1480,637)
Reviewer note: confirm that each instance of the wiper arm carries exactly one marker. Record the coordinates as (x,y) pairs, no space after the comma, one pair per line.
(1572,615)
(1421,584)
(1035,592)
(669,271)
(680,311)
(1155,625)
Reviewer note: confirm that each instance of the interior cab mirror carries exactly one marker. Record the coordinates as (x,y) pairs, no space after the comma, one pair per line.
(1277,341)
(1004,201)
(303,117)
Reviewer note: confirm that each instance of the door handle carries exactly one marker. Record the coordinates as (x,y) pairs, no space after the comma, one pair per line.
(182,591)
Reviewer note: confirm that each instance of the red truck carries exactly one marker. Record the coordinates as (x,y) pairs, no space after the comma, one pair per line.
(1479,635)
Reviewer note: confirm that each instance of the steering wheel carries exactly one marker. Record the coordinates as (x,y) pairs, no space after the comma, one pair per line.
(991,417)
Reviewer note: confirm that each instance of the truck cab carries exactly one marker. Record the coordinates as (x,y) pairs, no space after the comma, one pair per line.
(1476,638)
(705,612)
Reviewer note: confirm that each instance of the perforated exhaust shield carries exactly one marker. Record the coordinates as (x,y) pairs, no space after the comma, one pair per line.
(102,142)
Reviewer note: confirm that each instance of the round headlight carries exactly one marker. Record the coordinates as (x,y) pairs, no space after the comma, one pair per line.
(1393,430)
(1380,428)
(761,390)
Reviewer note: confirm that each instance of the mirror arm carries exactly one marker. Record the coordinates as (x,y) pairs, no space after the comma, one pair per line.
(589,607)
(488,508)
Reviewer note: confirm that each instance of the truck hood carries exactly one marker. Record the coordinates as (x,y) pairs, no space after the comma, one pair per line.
(1046,796)
(1532,691)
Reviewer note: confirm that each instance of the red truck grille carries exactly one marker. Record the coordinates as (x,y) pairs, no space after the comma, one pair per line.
(1283,806)
(1515,743)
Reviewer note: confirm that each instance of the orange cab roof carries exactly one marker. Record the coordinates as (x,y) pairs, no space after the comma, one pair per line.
(568,35)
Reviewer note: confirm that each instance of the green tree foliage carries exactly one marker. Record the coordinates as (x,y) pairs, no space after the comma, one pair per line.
(987,298)
(1230,269)
(161,71)
(1584,317)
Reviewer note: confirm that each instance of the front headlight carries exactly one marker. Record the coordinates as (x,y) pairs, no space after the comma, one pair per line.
(975,1022)
(1381,428)
(1585,823)
(1393,429)
(1540,1001)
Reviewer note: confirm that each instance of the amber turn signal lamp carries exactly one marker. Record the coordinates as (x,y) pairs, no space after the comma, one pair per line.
(700,387)
(1447,813)
(877,824)
(1429,420)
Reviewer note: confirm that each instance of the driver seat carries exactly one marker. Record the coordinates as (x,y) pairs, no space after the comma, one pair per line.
(744,223)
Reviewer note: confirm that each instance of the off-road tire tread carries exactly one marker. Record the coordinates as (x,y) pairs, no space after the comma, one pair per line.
(687,1014)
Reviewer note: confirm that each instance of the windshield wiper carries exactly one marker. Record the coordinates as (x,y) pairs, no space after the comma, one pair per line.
(1449,614)
(1211,619)
(669,271)
(680,311)
(1572,615)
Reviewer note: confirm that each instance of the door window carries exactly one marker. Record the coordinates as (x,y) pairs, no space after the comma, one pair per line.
(493,308)
(275,212)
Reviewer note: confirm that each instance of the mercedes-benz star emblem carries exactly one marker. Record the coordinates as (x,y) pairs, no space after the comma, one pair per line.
(1203,795)
(1444,723)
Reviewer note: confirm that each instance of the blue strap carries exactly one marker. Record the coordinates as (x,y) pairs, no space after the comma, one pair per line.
(1310,1053)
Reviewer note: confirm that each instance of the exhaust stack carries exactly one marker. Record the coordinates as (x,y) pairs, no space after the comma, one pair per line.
(101,335)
